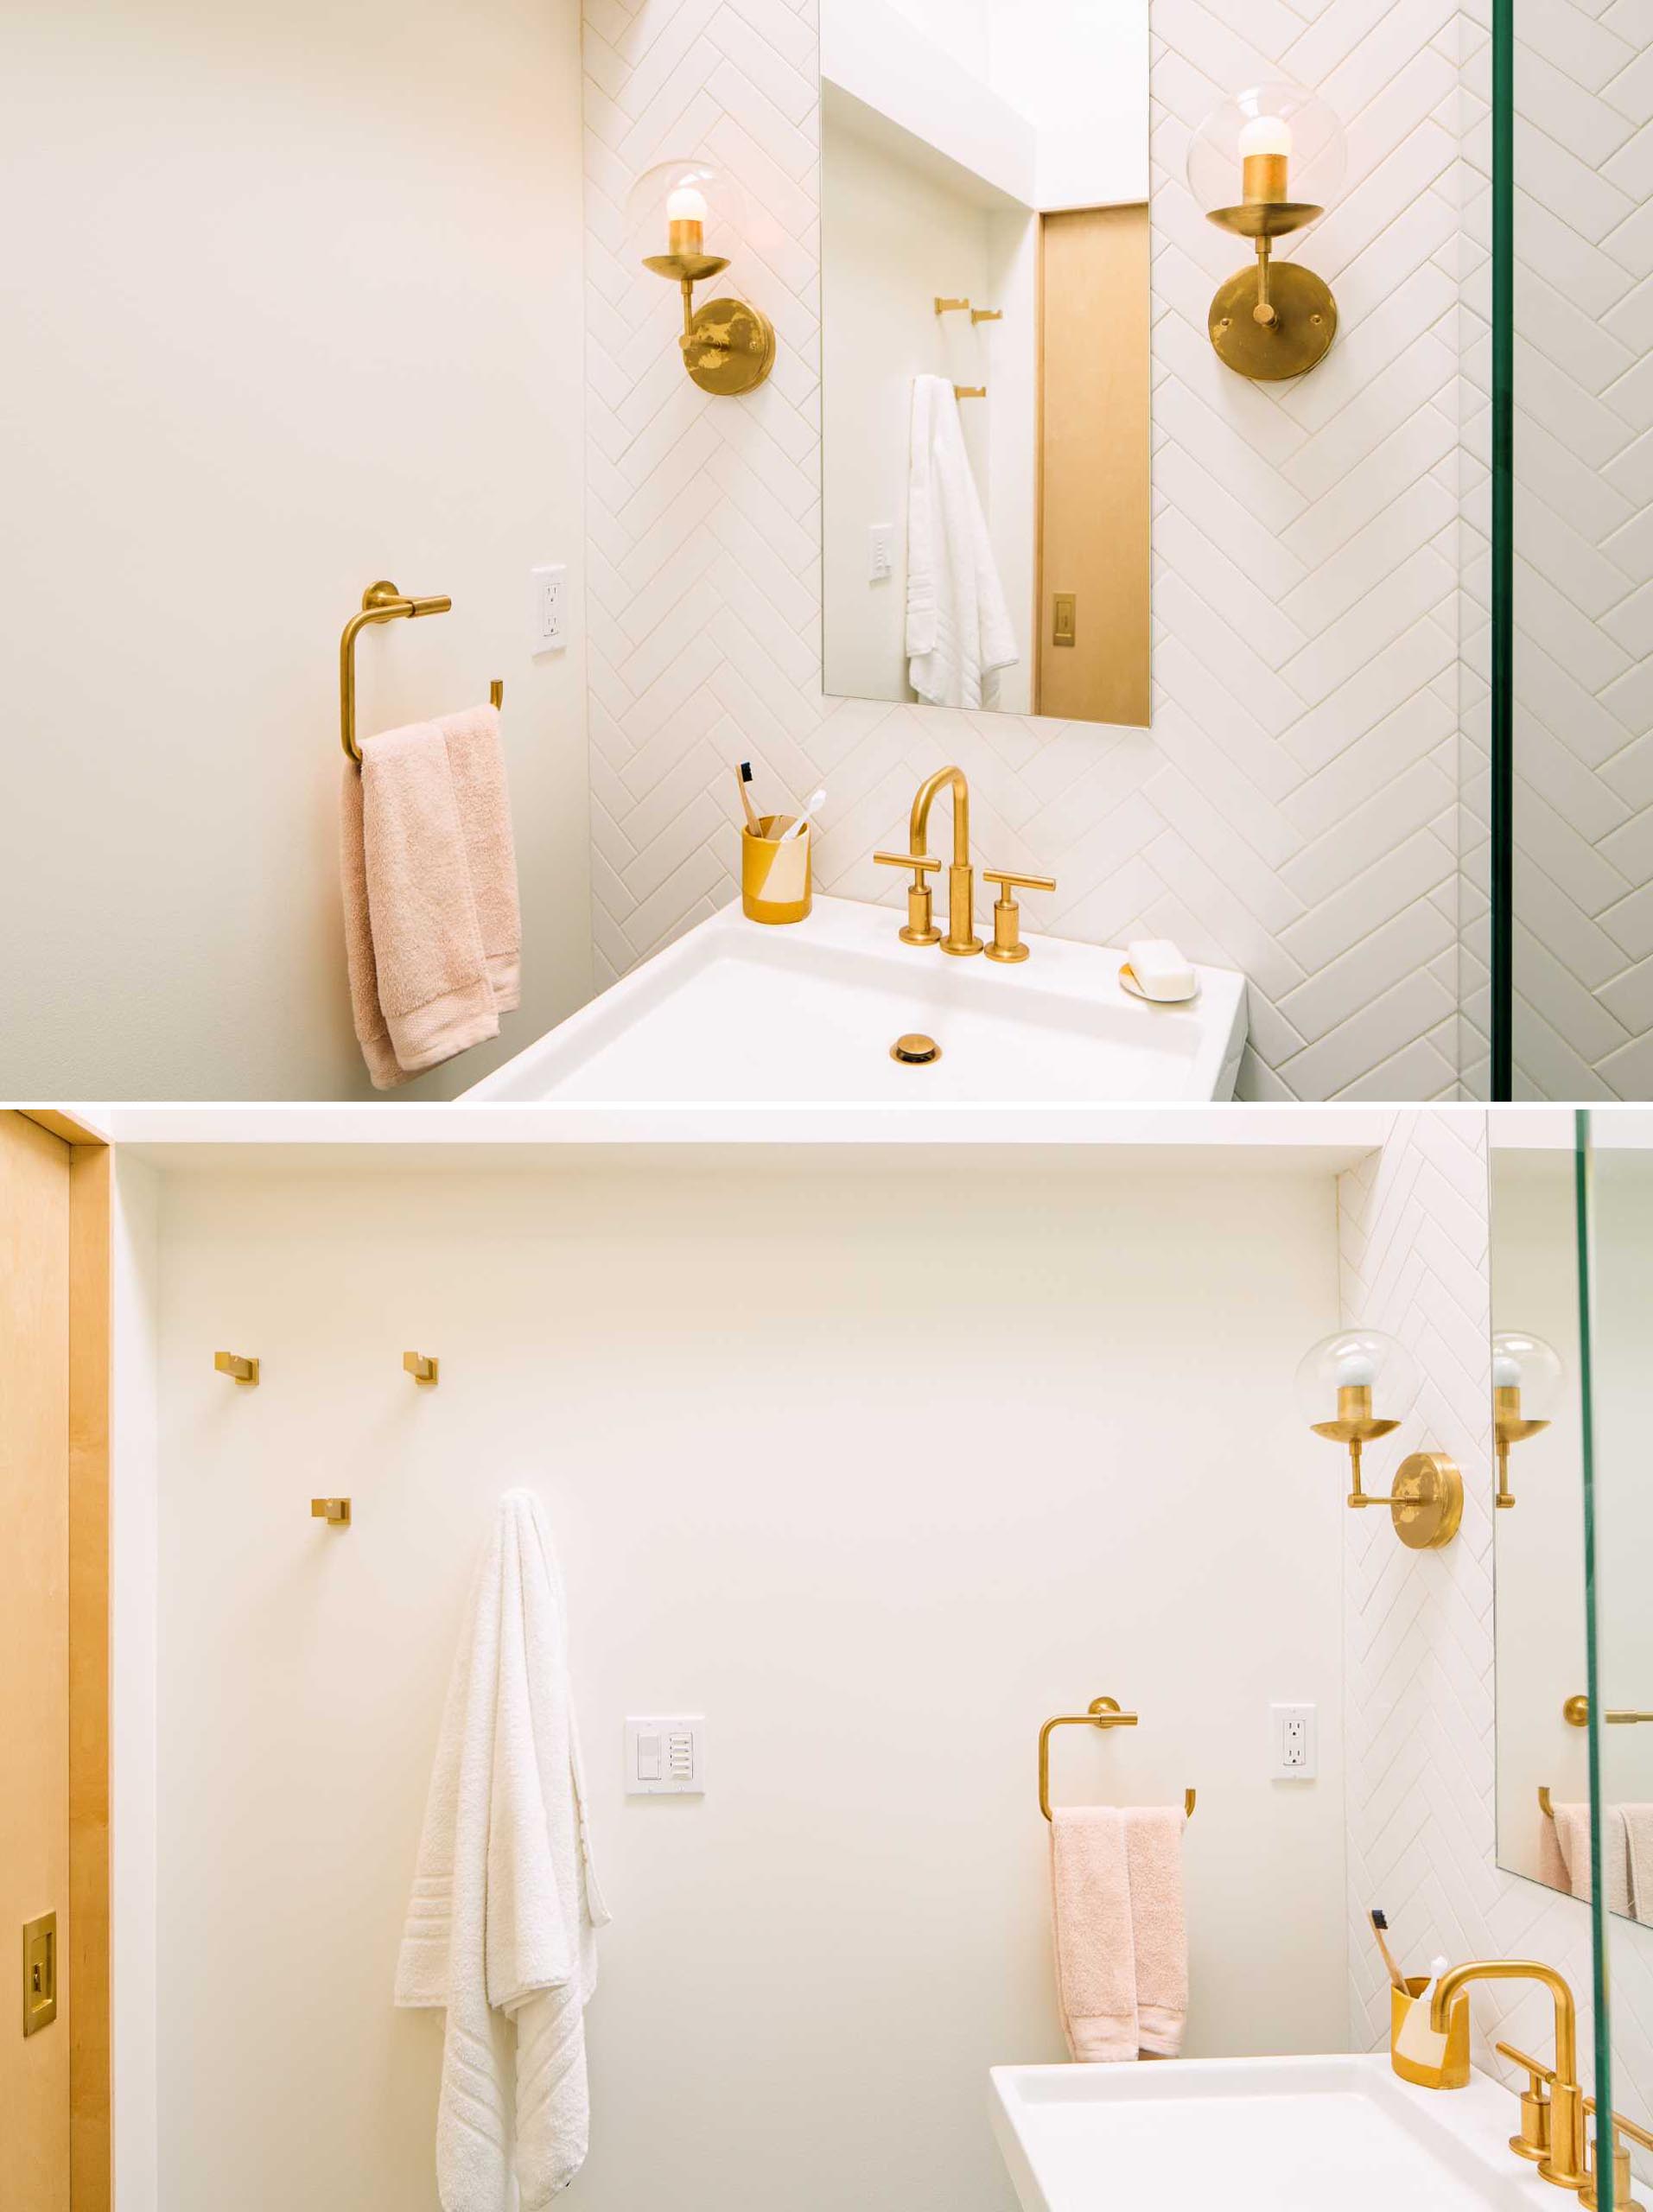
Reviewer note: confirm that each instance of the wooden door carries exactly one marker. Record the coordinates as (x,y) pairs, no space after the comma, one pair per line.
(34,1652)
(1094,463)
(55,2144)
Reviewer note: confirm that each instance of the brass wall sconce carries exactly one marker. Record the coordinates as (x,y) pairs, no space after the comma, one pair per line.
(1278,319)
(236,1366)
(1351,1370)
(1527,1376)
(422,1369)
(728,347)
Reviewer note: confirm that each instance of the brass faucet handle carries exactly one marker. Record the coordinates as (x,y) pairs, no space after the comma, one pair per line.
(1532,2138)
(1624,2179)
(1018,882)
(1543,2076)
(1007,943)
(920,923)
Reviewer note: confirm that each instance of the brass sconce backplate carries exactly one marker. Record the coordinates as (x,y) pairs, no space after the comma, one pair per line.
(1427,1504)
(1305,322)
(728,347)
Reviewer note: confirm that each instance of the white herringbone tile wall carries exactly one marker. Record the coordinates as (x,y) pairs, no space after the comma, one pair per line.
(1584,549)
(1292,811)
(1418,1661)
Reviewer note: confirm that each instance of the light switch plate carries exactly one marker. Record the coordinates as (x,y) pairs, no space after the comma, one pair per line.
(880,552)
(548,610)
(666,1755)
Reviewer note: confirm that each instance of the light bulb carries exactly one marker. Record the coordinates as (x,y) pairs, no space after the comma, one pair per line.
(686,220)
(1357,1370)
(1266,134)
(1506,1372)
(1265,149)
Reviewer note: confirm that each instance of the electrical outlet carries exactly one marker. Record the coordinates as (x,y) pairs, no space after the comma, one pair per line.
(548,609)
(880,552)
(1292,1740)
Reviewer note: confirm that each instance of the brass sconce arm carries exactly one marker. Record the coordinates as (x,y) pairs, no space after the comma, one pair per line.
(1427,1504)
(727,347)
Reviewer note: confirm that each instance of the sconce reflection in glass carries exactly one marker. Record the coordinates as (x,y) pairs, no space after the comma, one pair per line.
(687,207)
(1357,1371)
(1285,150)
(1527,1376)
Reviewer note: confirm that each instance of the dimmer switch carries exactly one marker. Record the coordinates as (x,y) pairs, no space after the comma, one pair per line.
(665,1756)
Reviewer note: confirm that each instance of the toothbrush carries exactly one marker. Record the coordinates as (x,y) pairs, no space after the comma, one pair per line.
(743,779)
(1380,1922)
(816,799)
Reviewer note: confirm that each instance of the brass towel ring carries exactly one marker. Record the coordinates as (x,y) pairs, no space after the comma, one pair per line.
(1104,1713)
(382,602)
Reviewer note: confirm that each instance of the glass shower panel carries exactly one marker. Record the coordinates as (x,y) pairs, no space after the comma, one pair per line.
(1617,1218)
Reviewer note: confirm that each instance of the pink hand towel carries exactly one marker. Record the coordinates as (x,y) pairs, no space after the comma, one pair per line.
(1121,1943)
(1096,1954)
(1159,1926)
(432,931)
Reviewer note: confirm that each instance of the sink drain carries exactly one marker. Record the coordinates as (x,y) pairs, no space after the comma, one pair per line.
(915,1050)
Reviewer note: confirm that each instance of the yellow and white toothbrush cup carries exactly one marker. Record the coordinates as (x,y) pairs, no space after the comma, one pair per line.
(775,883)
(1416,2051)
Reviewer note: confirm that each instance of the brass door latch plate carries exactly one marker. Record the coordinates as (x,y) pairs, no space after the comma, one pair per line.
(1065,623)
(40,1973)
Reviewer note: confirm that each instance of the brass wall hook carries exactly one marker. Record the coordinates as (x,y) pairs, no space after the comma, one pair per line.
(422,1369)
(235,1364)
(1102,1713)
(335,1511)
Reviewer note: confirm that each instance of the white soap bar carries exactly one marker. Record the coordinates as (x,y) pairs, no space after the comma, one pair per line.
(1159,969)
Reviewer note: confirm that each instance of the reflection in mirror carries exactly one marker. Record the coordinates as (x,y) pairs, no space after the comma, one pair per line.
(984,271)
(1622,1391)
(1538,1534)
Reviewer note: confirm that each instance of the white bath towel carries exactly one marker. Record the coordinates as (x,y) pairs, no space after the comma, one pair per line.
(501,1922)
(958,632)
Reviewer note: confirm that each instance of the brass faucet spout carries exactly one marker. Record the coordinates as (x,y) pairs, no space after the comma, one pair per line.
(1565,2165)
(919,829)
(960,936)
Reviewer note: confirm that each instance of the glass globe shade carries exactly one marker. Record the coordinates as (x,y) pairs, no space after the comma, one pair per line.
(1355,1359)
(1275,118)
(684,206)
(1527,1363)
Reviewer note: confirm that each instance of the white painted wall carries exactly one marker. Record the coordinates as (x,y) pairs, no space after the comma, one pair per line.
(896,234)
(293,301)
(878,1470)
(1539,1542)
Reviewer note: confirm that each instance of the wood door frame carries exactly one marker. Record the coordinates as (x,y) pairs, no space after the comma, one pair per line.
(86,1951)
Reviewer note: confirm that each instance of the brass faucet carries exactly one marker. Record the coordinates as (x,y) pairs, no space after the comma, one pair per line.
(961,939)
(1565,2165)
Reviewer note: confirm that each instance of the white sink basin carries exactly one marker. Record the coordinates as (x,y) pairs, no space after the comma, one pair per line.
(737,1011)
(1257,2135)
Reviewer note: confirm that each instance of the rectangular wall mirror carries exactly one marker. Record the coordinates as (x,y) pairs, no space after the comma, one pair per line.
(1621,1374)
(985,356)
(1543,1765)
